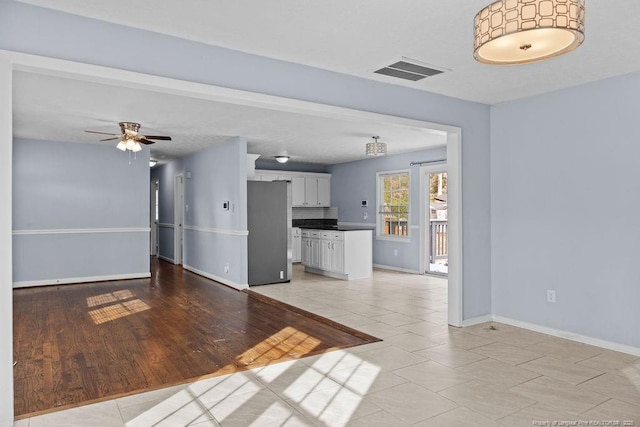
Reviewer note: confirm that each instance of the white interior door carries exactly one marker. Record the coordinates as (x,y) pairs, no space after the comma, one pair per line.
(178,220)
(153,219)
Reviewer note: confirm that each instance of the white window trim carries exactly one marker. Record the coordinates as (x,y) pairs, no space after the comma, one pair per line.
(379,235)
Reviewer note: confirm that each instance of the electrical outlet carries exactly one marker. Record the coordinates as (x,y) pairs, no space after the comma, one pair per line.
(226,268)
(281,274)
(364,216)
(551,296)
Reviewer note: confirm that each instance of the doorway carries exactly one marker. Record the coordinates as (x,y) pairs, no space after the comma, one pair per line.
(178,237)
(438,253)
(435,220)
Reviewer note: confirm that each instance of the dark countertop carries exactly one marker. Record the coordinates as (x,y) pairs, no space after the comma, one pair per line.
(336,227)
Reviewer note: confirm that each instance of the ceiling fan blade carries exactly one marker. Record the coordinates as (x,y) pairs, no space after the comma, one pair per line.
(158,137)
(145,141)
(102,133)
(110,139)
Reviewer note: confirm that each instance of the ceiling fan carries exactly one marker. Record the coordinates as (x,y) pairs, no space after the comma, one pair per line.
(129,137)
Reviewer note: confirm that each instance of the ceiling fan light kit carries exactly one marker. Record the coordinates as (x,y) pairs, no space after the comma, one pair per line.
(129,139)
(376,148)
(511,32)
(121,146)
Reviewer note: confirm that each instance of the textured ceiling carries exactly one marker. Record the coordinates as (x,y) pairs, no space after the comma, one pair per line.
(60,109)
(359,36)
(354,37)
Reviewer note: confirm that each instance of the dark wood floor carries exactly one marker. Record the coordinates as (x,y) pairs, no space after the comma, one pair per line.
(76,344)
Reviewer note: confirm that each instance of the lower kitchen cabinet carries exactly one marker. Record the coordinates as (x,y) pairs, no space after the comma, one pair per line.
(340,254)
(296,244)
(332,251)
(310,249)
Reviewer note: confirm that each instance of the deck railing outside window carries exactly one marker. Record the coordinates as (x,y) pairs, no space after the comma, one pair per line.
(395,219)
(438,239)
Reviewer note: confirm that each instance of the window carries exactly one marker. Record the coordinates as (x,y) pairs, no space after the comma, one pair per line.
(393,203)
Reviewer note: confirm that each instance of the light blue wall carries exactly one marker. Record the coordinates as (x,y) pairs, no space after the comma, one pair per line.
(566,209)
(31,29)
(218,174)
(353,182)
(67,187)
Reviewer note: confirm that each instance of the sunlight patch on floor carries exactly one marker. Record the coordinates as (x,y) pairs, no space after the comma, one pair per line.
(335,405)
(633,373)
(117,311)
(286,342)
(109,298)
(242,398)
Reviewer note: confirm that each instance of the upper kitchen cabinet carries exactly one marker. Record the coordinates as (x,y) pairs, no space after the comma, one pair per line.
(297,191)
(317,191)
(307,189)
(324,191)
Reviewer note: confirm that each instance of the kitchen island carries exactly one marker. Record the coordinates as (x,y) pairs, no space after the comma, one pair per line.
(340,252)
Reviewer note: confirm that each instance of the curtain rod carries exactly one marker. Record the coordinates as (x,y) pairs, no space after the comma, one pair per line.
(427,161)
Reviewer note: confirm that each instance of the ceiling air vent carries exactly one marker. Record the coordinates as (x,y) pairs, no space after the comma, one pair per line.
(408,71)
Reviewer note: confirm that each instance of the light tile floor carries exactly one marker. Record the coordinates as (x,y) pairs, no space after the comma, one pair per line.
(424,373)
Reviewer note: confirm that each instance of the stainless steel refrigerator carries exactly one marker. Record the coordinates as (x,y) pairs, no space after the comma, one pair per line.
(269,224)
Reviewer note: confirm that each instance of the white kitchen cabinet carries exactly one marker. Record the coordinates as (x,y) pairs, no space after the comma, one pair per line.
(296,245)
(314,258)
(332,251)
(337,254)
(309,190)
(310,249)
(324,192)
(297,191)
(264,176)
(341,254)
(326,254)
(317,192)
(305,250)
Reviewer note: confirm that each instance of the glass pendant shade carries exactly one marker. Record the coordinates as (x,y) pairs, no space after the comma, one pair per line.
(523,31)
(376,148)
(136,147)
(130,144)
(121,146)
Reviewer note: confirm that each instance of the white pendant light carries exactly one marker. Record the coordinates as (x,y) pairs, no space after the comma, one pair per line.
(121,146)
(131,143)
(523,31)
(376,148)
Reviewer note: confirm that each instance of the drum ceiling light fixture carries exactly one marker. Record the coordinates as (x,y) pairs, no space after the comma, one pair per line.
(376,148)
(522,31)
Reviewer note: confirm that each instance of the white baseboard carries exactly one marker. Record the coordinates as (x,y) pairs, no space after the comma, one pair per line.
(166,258)
(569,335)
(402,270)
(477,320)
(226,282)
(69,280)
